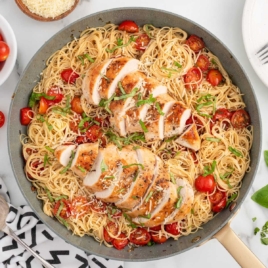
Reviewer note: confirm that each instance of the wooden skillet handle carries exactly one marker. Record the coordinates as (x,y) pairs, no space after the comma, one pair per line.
(237,248)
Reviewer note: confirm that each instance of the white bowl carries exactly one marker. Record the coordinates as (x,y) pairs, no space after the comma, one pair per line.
(9,37)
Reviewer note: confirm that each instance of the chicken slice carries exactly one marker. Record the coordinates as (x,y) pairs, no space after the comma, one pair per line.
(92,80)
(143,180)
(104,170)
(186,200)
(63,153)
(175,119)
(117,69)
(163,209)
(154,194)
(190,138)
(84,158)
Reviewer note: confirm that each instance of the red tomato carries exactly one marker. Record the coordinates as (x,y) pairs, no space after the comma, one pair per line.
(4,51)
(221,114)
(111,228)
(120,242)
(56,92)
(79,206)
(140,237)
(220,206)
(205,184)
(193,155)
(155,228)
(196,120)
(94,133)
(1,38)
(240,119)
(81,139)
(193,78)
(76,105)
(26,115)
(202,62)
(173,228)
(129,26)
(2,119)
(160,240)
(69,76)
(65,213)
(98,206)
(74,125)
(43,105)
(217,197)
(142,41)
(195,43)
(214,77)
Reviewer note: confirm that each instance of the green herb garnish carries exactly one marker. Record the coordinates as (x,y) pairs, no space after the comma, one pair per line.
(158,108)
(256,230)
(150,100)
(106,103)
(148,196)
(83,57)
(46,160)
(69,163)
(51,199)
(49,149)
(144,128)
(126,96)
(103,166)
(261,196)
(134,164)
(208,170)
(231,199)
(213,139)
(121,88)
(37,96)
(81,169)
(146,28)
(131,39)
(235,152)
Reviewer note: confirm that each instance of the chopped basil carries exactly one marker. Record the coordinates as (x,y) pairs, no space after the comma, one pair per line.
(213,61)
(119,41)
(148,216)
(81,169)
(37,96)
(177,64)
(261,196)
(136,175)
(121,88)
(108,177)
(69,163)
(51,199)
(158,108)
(213,139)
(146,26)
(126,96)
(235,152)
(225,178)
(148,196)
(171,139)
(49,149)
(64,222)
(256,230)
(61,197)
(43,120)
(134,164)
(127,217)
(103,166)
(231,199)
(145,130)
(172,178)
(209,100)
(208,170)
(254,219)
(178,204)
(60,208)
(131,39)
(150,243)
(264,240)
(63,111)
(266,157)
(83,57)
(106,103)
(46,160)
(150,100)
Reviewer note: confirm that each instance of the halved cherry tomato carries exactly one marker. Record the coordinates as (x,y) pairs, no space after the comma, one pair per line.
(26,115)
(69,76)
(202,62)
(120,242)
(4,51)
(98,206)
(65,212)
(142,41)
(196,120)
(195,43)
(155,228)
(205,184)
(218,200)
(111,228)
(79,206)
(74,125)
(129,26)
(222,113)
(56,92)
(81,139)
(140,237)
(94,133)
(220,206)
(192,78)
(214,77)
(76,105)
(240,119)
(2,119)
(193,155)
(172,228)
(43,105)
(159,240)
(1,38)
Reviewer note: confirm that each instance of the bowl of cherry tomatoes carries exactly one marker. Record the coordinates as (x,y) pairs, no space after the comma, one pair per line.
(8,49)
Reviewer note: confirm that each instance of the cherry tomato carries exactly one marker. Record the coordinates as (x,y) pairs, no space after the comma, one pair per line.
(65,213)
(159,240)
(111,228)
(202,62)
(76,105)
(69,76)
(98,206)
(193,155)
(205,184)
(196,120)
(222,113)
(195,43)
(79,206)
(140,237)
(129,26)
(220,206)
(94,133)
(193,78)
(172,228)
(1,38)
(142,41)
(81,139)
(34,167)
(120,242)
(2,119)
(43,105)
(218,200)
(214,77)
(155,228)
(240,119)
(4,51)
(56,92)
(26,115)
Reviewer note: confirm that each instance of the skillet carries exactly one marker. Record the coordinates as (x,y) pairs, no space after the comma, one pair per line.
(158,18)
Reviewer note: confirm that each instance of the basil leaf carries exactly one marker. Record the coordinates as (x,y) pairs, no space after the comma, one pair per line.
(157,106)
(146,26)
(177,64)
(103,166)
(49,149)
(207,170)
(121,88)
(148,196)
(125,96)
(51,199)
(144,128)
(134,164)
(235,152)
(231,199)
(213,139)
(264,240)
(150,100)
(69,163)
(256,230)
(132,39)
(266,157)
(261,196)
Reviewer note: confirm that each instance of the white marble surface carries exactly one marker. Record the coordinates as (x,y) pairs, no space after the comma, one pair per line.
(223,19)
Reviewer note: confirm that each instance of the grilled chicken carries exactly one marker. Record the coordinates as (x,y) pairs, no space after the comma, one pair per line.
(63,153)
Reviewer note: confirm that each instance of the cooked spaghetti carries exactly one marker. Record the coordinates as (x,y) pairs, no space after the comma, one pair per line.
(168,57)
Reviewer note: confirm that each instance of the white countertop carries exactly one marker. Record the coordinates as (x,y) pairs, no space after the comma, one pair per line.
(224,20)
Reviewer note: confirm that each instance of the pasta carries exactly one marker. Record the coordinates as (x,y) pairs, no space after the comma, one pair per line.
(167,58)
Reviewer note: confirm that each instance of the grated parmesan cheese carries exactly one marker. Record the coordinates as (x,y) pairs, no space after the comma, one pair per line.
(48,8)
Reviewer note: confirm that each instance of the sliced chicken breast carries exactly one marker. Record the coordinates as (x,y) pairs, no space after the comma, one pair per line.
(175,119)
(84,159)
(143,180)
(190,138)
(92,80)
(186,200)
(63,153)
(152,86)
(163,209)
(117,69)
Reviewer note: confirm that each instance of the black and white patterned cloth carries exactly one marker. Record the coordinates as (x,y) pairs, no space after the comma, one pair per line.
(34,233)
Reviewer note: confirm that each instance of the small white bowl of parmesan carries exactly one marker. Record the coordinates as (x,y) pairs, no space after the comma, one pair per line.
(47,10)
